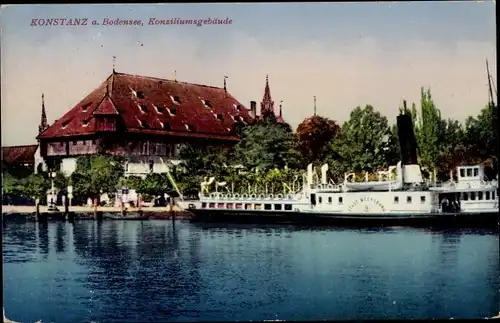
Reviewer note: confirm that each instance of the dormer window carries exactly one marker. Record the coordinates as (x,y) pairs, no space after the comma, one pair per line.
(145,125)
(64,124)
(140,123)
(189,127)
(238,107)
(143,108)
(85,123)
(140,94)
(172,111)
(219,116)
(166,126)
(86,106)
(159,109)
(175,99)
(207,104)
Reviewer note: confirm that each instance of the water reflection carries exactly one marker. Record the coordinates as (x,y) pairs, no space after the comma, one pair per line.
(164,271)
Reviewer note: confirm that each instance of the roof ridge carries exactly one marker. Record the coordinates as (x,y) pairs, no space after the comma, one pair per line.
(164,79)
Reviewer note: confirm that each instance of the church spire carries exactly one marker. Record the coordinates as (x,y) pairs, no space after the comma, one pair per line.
(43,120)
(267,104)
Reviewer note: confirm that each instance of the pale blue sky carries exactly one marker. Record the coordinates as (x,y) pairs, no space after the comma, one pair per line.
(345,54)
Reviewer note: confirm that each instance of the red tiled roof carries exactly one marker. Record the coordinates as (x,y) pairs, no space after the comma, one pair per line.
(19,154)
(148,105)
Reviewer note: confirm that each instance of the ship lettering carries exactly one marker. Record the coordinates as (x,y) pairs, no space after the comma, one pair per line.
(365,200)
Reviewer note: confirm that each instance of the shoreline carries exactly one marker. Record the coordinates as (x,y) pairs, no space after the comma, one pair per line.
(23,209)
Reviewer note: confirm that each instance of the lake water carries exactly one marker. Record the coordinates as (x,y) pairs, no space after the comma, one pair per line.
(118,271)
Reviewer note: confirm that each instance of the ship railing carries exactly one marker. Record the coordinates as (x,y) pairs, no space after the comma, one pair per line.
(249,197)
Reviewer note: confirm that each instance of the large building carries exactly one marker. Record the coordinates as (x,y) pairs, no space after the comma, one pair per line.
(146,119)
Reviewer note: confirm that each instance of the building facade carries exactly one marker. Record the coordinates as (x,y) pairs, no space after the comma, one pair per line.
(147,120)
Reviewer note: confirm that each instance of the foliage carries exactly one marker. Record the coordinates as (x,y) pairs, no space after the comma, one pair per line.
(96,174)
(313,135)
(363,143)
(36,186)
(266,145)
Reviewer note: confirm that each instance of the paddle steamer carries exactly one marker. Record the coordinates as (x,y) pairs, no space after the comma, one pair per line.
(399,197)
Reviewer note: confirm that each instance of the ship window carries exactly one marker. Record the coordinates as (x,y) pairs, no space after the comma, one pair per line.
(277,207)
(248,206)
(267,206)
(469,172)
(462,172)
(480,195)
(341,200)
(288,207)
(330,200)
(487,195)
(320,200)
(211,205)
(396,199)
(476,171)
(422,199)
(204,205)
(408,199)
(472,196)
(465,196)
(493,197)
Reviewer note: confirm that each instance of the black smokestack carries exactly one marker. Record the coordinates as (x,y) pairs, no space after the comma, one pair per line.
(253,109)
(407,140)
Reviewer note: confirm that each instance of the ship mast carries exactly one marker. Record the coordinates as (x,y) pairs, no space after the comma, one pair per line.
(490,86)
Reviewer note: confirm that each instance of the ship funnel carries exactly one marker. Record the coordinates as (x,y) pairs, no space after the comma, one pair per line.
(324,169)
(408,145)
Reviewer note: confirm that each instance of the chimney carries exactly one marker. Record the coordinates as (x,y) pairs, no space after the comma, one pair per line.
(253,109)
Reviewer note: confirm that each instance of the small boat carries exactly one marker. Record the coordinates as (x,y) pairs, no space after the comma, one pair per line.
(137,217)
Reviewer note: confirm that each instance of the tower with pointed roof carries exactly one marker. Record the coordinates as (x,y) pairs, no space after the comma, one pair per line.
(267,104)
(43,120)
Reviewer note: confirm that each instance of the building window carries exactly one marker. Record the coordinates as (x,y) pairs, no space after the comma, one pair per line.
(341,200)
(396,199)
(408,199)
(175,99)
(465,197)
(487,195)
(476,172)
(75,142)
(84,142)
(159,109)
(93,142)
(288,207)
(207,104)
(422,199)
(469,172)
(62,144)
(480,195)
(277,207)
(473,196)
(462,172)
(330,200)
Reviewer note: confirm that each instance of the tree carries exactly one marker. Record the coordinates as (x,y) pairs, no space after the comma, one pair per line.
(267,145)
(314,134)
(97,174)
(363,143)
(427,126)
